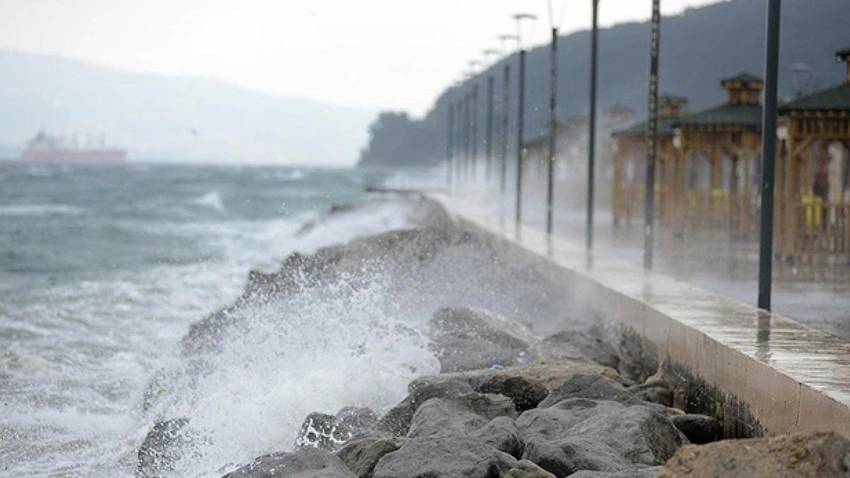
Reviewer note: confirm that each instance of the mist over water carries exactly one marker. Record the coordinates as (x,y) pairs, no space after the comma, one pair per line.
(103,271)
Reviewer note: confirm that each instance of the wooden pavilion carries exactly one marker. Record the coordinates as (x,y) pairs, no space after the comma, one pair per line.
(629,165)
(813,178)
(719,148)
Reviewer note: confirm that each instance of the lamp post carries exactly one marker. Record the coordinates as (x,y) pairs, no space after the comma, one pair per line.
(591,130)
(553,131)
(520,18)
(651,137)
(450,144)
(506,96)
(768,147)
(490,52)
(474,66)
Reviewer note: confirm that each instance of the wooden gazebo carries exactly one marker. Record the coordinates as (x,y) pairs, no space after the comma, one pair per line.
(813,180)
(719,147)
(629,157)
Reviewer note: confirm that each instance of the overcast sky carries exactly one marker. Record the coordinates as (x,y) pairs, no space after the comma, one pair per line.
(379,54)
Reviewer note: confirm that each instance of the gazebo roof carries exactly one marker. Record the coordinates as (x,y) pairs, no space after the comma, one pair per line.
(745,78)
(665,128)
(836,98)
(744,116)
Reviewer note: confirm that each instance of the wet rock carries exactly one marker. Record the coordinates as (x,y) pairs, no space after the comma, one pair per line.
(598,435)
(362,455)
(459,415)
(549,373)
(699,429)
(357,419)
(322,431)
(444,457)
(525,393)
(817,455)
(163,446)
(464,338)
(589,344)
(527,469)
(655,391)
(502,434)
(638,359)
(397,421)
(302,463)
(590,386)
(648,472)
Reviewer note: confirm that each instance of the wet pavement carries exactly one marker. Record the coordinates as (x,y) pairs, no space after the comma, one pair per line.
(791,376)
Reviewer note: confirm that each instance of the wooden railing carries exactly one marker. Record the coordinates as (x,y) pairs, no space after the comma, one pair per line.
(822,228)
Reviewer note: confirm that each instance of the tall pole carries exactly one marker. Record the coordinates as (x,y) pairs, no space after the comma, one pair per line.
(459,141)
(651,137)
(466,137)
(450,145)
(475,138)
(553,131)
(506,98)
(768,147)
(519,134)
(489,127)
(591,131)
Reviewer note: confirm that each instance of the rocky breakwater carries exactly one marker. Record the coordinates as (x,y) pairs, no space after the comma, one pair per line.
(510,401)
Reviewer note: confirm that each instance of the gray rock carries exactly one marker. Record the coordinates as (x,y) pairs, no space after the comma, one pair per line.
(588,344)
(444,457)
(648,472)
(162,447)
(459,415)
(469,339)
(362,455)
(590,386)
(302,463)
(549,373)
(655,391)
(583,434)
(397,421)
(322,431)
(502,434)
(525,393)
(527,469)
(814,455)
(699,429)
(358,419)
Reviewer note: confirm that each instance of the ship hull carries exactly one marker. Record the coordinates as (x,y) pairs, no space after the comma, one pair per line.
(75,155)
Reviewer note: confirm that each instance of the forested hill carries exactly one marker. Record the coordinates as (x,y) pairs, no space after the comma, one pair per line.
(699,47)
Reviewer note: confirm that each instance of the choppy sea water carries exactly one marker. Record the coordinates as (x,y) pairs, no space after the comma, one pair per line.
(103,269)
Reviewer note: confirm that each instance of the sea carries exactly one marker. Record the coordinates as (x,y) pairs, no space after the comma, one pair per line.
(104,268)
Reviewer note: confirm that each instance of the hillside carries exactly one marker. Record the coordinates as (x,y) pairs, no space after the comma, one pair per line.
(170,118)
(699,47)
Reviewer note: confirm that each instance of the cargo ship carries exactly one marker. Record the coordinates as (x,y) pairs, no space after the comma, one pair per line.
(47,148)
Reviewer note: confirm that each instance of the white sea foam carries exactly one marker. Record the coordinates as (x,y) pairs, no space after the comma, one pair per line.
(211,199)
(40,210)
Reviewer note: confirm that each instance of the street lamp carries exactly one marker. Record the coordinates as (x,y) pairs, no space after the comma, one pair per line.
(490,53)
(520,18)
(591,131)
(651,137)
(506,96)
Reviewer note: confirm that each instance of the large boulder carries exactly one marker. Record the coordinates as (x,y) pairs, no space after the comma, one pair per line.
(589,344)
(464,338)
(459,415)
(445,457)
(598,435)
(591,386)
(817,455)
(526,385)
(527,469)
(162,447)
(363,454)
(699,429)
(302,463)
(648,472)
(396,422)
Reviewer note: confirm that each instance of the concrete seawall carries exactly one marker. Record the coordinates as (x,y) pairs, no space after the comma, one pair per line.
(760,373)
